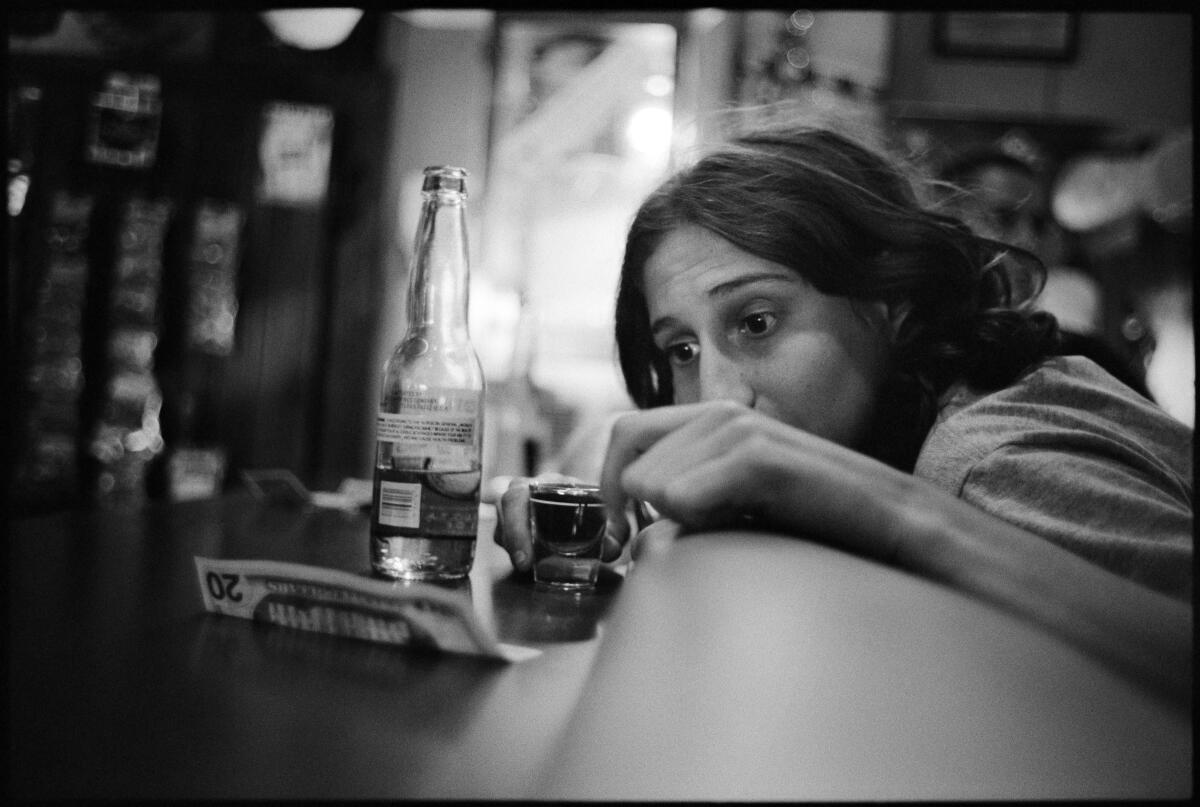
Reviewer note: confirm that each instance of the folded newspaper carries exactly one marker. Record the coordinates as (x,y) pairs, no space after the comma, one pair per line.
(343,604)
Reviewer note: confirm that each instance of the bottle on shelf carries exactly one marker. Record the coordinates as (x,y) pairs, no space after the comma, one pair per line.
(527,429)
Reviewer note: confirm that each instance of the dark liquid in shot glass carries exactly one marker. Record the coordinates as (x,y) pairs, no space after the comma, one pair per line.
(567,521)
(568,524)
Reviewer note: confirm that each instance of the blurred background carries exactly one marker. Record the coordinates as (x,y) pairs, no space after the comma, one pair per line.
(210,214)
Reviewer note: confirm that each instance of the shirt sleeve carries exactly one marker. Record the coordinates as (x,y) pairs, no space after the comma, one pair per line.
(1107,511)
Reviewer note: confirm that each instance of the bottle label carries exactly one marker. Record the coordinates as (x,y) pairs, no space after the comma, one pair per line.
(400,504)
(439,425)
(426,503)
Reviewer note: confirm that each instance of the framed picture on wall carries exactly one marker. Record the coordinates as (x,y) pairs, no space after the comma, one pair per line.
(1033,36)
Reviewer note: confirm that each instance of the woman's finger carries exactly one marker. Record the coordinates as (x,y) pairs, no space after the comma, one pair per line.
(513,524)
(725,435)
(632,436)
(655,539)
(611,549)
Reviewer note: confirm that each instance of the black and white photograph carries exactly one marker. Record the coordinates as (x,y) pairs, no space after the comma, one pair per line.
(599,403)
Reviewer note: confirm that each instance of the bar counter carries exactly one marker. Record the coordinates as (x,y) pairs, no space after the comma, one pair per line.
(732,666)
(122,686)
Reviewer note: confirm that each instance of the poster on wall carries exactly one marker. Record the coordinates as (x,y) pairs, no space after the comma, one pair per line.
(294,154)
(1038,36)
(124,121)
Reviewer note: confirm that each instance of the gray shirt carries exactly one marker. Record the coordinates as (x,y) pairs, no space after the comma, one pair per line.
(1069,453)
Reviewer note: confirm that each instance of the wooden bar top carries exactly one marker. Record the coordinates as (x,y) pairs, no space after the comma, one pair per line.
(748,666)
(732,666)
(122,686)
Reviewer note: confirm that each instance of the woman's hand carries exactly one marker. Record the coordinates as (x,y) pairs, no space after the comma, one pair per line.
(721,464)
(716,464)
(512,524)
(655,539)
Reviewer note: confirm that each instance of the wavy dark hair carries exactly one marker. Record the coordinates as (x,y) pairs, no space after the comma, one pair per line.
(849,221)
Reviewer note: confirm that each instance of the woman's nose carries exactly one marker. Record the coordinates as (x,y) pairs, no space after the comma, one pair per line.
(722,379)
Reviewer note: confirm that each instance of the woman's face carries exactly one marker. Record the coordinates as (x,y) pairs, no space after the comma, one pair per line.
(735,326)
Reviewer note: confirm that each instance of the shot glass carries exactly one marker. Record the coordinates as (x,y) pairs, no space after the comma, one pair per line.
(567,524)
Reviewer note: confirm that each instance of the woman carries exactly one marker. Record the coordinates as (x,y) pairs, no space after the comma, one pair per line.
(814,353)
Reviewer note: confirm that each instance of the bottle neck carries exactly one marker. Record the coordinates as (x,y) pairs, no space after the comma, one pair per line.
(439,284)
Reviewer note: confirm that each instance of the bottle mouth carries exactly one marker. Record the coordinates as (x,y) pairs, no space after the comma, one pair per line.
(445,178)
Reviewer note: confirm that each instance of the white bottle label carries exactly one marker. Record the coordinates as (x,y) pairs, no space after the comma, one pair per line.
(400,504)
(439,424)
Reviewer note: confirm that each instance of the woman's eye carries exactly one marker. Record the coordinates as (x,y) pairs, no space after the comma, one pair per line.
(758,324)
(681,352)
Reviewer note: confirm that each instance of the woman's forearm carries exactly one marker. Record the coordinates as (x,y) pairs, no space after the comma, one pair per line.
(1140,632)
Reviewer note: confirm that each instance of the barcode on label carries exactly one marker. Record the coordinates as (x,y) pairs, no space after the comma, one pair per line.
(400,504)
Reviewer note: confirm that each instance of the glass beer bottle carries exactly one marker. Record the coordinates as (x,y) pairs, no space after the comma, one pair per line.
(429,431)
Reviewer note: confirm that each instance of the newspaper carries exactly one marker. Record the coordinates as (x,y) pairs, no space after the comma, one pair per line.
(343,604)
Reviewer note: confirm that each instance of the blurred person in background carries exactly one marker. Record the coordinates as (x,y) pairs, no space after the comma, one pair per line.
(1005,198)
(813,352)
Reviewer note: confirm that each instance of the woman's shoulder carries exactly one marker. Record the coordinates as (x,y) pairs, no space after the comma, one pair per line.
(1062,392)
(1065,403)
(1072,455)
